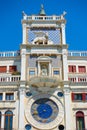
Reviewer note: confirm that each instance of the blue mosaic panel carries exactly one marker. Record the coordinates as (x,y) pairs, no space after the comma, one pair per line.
(32,61)
(56,61)
(53,35)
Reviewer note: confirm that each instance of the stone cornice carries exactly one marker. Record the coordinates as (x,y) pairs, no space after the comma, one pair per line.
(9,89)
(79,89)
(44,46)
(78,84)
(31,21)
(9,83)
(79,108)
(77,57)
(10,58)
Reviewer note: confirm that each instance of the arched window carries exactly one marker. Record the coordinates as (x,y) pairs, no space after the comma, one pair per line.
(0,118)
(8,120)
(80,124)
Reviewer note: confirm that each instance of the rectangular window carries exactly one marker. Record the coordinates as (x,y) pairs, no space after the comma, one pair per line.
(3,69)
(9,96)
(77,96)
(71,68)
(56,72)
(32,72)
(12,68)
(82,69)
(1,96)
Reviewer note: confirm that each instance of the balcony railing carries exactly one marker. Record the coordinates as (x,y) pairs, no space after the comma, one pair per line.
(77,53)
(43,17)
(9,54)
(17,53)
(11,78)
(78,79)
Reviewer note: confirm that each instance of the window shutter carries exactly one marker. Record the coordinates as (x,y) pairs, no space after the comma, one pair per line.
(74,68)
(72,96)
(83,96)
(3,69)
(69,68)
(12,68)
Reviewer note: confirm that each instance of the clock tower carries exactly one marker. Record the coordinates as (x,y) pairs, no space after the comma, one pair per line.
(44,86)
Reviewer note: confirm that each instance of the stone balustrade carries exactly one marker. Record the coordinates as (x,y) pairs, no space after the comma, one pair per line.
(17,53)
(12,78)
(10,54)
(43,17)
(77,53)
(78,79)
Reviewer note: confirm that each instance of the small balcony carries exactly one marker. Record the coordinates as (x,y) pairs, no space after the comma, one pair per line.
(44,81)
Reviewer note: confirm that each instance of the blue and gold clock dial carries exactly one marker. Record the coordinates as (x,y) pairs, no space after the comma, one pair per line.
(44,110)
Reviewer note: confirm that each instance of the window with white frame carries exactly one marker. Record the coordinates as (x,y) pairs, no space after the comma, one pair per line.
(32,71)
(9,96)
(1,96)
(56,71)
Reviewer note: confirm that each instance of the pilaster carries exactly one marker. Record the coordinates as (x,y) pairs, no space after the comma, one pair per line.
(2,120)
(63,33)
(50,69)
(65,64)
(16,111)
(85,119)
(24,33)
(21,107)
(7,68)
(23,64)
(39,69)
(76,68)
(3,96)
(67,107)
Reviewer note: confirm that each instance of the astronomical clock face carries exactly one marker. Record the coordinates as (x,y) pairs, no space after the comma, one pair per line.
(44,111)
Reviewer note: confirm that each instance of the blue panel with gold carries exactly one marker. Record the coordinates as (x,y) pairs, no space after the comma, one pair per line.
(53,35)
(44,110)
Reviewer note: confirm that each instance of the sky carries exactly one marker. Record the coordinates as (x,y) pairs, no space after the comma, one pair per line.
(11,16)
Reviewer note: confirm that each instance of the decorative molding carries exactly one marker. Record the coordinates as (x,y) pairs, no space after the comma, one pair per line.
(75,109)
